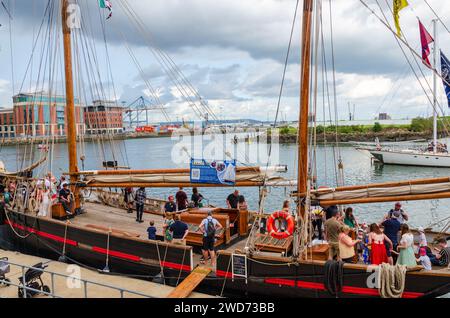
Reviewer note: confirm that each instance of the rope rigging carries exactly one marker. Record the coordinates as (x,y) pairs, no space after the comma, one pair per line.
(416,56)
(264,189)
(183,85)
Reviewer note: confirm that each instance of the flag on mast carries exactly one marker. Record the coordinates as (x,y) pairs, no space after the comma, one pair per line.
(398,5)
(425,39)
(106,4)
(445,73)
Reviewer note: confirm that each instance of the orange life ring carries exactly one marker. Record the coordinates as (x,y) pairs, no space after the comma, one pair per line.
(273,231)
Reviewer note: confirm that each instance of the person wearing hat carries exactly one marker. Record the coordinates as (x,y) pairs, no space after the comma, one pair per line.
(398,212)
(422,237)
(64,198)
(423,259)
(170,205)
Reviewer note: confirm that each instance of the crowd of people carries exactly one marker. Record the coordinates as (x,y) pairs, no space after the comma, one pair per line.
(178,202)
(174,230)
(48,191)
(389,241)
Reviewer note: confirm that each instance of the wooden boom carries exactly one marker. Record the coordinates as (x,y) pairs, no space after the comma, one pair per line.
(410,197)
(153,171)
(383,185)
(170,185)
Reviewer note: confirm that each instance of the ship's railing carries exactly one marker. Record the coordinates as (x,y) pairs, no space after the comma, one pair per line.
(84,282)
(414,147)
(394,147)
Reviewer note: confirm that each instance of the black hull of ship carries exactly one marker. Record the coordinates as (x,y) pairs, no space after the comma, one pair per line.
(140,259)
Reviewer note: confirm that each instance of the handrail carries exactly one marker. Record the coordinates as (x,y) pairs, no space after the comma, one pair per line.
(85,282)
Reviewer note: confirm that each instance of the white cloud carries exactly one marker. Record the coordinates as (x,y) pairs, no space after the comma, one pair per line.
(356,86)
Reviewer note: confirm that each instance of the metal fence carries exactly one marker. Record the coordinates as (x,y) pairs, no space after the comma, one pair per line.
(85,283)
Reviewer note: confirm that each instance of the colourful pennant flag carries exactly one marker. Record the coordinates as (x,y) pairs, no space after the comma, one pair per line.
(398,5)
(106,4)
(425,39)
(445,72)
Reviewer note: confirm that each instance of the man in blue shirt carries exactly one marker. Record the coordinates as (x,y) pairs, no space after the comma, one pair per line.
(180,230)
(170,205)
(391,229)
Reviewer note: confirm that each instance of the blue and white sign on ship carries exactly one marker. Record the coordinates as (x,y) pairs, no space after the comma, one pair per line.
(213,172)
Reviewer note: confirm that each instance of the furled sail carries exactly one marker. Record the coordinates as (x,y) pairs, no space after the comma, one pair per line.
(245,176)
(437,188)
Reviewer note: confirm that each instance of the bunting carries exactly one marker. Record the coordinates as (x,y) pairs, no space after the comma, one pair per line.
(425,40)
(106,4)
(397,6)
(445,72)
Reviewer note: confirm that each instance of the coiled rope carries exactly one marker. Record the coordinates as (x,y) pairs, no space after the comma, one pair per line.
(392,280)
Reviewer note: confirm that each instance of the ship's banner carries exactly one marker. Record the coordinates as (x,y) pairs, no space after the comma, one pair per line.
(398,5)
(213,172)
(445,69)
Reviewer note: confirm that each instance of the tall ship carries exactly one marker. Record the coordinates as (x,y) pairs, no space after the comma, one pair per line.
(100,234)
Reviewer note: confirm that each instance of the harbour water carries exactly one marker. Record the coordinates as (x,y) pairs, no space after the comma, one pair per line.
(167,153)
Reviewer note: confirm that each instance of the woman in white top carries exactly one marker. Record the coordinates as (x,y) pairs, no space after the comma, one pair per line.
(406,247)
(45,200)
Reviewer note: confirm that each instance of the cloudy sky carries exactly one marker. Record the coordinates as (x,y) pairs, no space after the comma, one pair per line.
(231,51)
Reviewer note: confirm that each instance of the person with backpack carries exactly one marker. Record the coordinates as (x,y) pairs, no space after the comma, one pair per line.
(209,227)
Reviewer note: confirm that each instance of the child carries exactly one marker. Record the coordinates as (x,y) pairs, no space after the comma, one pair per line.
(424,259)
(366,250)
(363,246)
(422,237)
(151,230)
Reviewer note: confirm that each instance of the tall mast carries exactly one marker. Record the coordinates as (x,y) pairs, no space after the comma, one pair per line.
(435,128)
(70,104)
(302,178)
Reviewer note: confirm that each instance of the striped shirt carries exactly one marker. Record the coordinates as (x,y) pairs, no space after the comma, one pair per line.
(445,256)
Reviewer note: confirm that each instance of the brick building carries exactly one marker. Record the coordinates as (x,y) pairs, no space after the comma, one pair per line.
(7,128)
(103,117)
(39,114)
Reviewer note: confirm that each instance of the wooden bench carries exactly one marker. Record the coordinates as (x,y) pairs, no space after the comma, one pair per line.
(265,242)
(58,212)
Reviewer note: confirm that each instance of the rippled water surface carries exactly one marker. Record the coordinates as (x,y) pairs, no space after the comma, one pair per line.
(167,153)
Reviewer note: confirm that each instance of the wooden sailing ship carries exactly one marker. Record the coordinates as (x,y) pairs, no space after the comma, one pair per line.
(107,237)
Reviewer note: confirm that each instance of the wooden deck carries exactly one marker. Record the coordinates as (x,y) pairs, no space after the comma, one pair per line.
(100,217)
(118,219)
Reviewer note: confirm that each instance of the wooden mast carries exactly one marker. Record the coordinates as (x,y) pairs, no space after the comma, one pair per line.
(304,104)
(70,103)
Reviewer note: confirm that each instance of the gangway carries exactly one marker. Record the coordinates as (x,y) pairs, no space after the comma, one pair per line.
(191,282)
